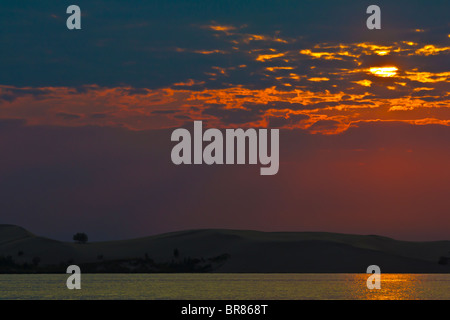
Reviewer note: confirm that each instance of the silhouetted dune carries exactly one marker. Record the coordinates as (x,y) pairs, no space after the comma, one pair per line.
(247,251)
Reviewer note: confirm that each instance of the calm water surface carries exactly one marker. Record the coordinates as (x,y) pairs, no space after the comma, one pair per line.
(226,286)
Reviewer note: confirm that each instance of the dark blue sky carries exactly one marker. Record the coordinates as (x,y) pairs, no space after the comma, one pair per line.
(134,42)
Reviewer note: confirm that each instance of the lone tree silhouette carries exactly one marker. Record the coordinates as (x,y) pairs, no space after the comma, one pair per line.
(80,237)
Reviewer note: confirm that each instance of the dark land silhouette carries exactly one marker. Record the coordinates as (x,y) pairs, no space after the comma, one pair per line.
(226,251)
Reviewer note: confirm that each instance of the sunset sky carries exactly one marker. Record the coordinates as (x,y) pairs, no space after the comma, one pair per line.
(86,116)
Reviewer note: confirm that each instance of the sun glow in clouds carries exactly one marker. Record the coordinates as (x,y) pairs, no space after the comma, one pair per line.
(384,71)
(366,83)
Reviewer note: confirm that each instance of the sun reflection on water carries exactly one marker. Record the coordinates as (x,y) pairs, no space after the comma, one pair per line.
(393,287)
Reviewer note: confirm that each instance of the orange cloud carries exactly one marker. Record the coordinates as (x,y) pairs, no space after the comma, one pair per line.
(431,50)
(142,109)
(265,57)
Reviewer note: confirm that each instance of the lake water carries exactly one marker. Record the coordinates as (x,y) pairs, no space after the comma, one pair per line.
(226,286)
